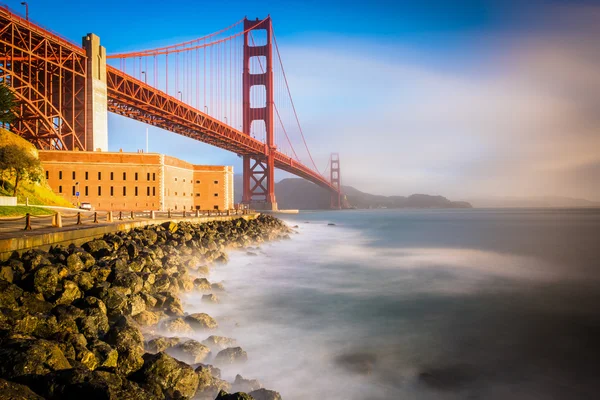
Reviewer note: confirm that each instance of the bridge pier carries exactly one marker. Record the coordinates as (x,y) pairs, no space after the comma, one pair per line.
(96,99)
(336,197)
(259,180)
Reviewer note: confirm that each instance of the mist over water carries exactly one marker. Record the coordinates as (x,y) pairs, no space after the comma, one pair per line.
(456,304)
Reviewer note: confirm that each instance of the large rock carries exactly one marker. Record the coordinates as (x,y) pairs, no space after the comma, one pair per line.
(69,293)
(190,352)
(126,337)
(107,356)
(210,383)
(9,295)
(80,383)
(245,385)
(231,355)
(264,394)
(25,356)
(223,395)
(14,391)
(163,375)
(98,248)
(177,325)
(219,342)
(74,263)
(201,321)
(45,280)
(161,343)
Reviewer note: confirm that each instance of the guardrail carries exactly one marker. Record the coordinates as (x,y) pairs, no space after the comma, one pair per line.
(58,219)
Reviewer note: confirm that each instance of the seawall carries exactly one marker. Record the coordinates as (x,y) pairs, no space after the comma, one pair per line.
(79,235)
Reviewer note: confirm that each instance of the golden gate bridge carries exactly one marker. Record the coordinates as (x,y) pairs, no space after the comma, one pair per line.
(228,89)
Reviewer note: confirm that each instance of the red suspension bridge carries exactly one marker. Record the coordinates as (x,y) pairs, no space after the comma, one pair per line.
(228,89)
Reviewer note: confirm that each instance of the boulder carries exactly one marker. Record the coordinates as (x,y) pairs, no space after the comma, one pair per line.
(170,226)
(81,383)
(245,385)
(264,394)
(190,352)
(34,303)
(163,375)
(177,325)
(45,280)
(26,356)
(147,318)
(210,383)
(98,248)
(74,263)
(84,280)
(135,305)
(93,323)
(231,355)
(223,395)
(9,295)
(201,321)
(218,286)
(14,391)
(129,280)
(69,293)
(219,342)
(161,343)
(202,284)
(125,334)
(7,273)
(107,356)
(210,298)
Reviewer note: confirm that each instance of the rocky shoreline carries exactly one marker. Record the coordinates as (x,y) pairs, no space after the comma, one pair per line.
(83,322)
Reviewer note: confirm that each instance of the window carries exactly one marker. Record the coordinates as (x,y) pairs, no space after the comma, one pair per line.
(197,207)
(184,180)
(47,175)
(148,176)
(86,175)
(197,181)
(124,176)
(176,206)
(124,190)
(216,207)
(112,191)
(73,190)
(154,176)
(175,179)
(136,191)
(60,189)
(99,190)
(154,191)
(183,194)
(175,193)
(99,176)
(73,174)
(197,194)
(86,191)
(148,191)
(59,174)
(216,194)
(136,176)
(216,182)
(112,176)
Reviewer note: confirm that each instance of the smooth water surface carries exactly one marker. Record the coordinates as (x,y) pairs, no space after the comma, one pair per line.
(412,304)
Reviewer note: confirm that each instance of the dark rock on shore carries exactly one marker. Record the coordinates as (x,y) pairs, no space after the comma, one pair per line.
(264,394)
(73,319)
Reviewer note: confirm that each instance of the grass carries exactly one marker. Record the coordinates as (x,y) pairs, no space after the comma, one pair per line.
(19,211)
(37,193)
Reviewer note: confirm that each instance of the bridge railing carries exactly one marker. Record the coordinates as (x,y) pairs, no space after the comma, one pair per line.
(29,222)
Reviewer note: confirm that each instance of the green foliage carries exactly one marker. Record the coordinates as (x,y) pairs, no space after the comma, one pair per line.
(11,211)
(21,164)
(8,103)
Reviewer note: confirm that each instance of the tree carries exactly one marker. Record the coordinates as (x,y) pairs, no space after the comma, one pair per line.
(20,163)
(8,102)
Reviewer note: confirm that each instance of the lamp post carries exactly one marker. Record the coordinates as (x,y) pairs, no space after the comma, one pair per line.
(145,77)
(24,3)
(180,95)
(205,109)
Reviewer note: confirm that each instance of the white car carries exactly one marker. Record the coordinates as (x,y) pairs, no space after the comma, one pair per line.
(86,206)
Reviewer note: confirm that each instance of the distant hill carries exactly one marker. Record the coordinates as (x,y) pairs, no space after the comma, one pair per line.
(532,202)
(297,193)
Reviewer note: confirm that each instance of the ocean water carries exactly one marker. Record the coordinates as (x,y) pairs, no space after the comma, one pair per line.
(420,304)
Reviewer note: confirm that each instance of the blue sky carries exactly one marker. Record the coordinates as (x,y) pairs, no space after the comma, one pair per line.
(459,98)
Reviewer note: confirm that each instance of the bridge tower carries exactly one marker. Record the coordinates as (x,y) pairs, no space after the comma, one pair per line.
(259,181)
(336,198)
